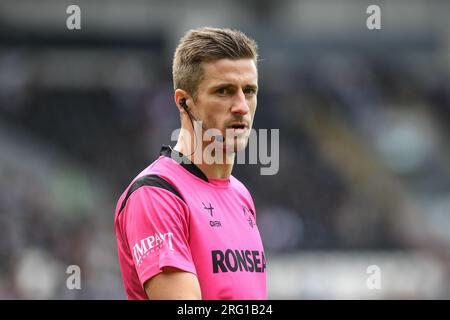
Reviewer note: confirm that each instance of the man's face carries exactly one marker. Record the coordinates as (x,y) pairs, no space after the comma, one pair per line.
(226,99)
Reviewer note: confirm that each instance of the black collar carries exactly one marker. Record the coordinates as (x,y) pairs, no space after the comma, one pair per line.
(167,151)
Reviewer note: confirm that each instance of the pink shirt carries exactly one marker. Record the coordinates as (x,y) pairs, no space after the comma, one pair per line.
(173,215)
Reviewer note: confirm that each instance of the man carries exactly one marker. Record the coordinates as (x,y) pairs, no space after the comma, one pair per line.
(185,226)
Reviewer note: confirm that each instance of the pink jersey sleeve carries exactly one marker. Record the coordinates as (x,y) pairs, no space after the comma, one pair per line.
(157,230)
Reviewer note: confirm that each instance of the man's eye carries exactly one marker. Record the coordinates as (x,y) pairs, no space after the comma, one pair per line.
(249,91)
(223,91)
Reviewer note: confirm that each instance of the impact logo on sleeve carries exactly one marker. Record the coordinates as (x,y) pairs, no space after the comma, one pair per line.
(151,244)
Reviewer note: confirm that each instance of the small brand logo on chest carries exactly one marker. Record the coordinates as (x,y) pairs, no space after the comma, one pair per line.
(249,215)
(210,210)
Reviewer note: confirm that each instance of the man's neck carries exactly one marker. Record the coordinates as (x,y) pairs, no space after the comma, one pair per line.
(216,171)
(213,171)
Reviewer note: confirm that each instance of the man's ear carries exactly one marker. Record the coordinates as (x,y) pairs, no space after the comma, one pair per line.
(181,97)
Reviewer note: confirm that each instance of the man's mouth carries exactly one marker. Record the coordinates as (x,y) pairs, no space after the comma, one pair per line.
(238,127)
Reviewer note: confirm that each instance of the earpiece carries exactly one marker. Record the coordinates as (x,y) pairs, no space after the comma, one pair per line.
(183,104)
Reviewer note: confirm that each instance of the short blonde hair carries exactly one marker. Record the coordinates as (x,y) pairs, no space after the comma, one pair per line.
(207,44)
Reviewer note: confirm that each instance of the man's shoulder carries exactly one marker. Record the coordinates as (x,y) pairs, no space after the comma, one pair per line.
(161,167)
(154,175)
(239,186)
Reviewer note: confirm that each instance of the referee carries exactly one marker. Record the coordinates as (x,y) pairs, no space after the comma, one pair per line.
(185,227)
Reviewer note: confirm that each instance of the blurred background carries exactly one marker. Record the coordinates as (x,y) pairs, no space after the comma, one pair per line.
(364,119)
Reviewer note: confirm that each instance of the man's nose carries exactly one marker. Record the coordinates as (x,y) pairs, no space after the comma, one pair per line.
(240,104)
